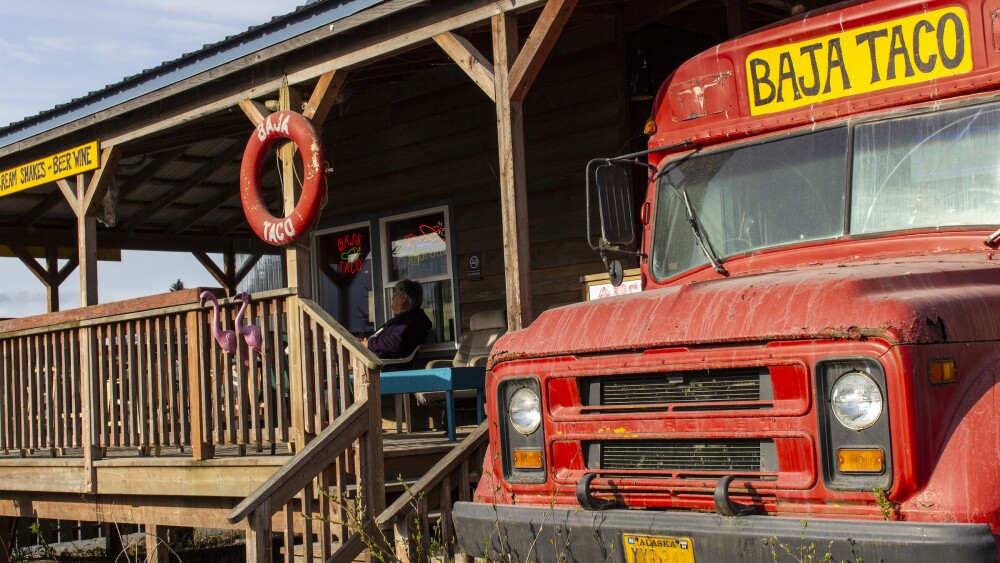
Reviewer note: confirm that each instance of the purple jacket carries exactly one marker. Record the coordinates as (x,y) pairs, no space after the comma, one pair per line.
(401,334)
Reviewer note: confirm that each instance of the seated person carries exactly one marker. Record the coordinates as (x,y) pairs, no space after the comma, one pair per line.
(407,329)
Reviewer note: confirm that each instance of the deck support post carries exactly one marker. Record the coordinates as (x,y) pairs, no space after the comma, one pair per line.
(6,525)
(259,542)
(113,541)
(157,550)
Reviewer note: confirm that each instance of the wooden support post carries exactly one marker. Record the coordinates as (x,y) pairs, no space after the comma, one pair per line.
(6,526)
(507,82)
(113,541)
(92,450)
(52,268)
(259,535)
(88,198)
(513,183)
(371,468)
(87,253)
(200,449)
(157,550)
(298,275)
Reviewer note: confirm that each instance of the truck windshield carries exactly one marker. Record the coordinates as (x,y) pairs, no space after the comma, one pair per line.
(932,170)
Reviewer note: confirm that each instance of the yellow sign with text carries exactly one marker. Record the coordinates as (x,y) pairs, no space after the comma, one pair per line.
(51,168)
(898,52)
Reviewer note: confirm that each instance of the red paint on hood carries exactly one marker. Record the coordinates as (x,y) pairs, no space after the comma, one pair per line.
(953,298)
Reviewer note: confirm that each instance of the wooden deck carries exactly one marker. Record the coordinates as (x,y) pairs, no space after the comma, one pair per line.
(131,415)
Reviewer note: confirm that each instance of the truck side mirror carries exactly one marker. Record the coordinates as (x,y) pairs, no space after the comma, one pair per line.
(614,196)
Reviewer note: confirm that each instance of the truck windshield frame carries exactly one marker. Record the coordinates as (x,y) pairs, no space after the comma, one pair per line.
(933,169)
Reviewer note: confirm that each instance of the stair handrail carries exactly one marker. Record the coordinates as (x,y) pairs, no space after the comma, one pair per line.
(284,484)
(324,319)
(434,476)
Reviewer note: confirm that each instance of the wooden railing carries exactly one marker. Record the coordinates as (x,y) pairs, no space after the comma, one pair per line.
(434,493)
(40,387)
(146,374)
(330,491)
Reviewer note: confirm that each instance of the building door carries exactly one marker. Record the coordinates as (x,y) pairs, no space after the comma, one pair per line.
(344,264)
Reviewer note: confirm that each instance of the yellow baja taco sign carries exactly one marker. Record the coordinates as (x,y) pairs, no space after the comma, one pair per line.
(898,52)
(51,168)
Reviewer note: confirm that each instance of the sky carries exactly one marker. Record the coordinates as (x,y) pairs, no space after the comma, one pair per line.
(54,51)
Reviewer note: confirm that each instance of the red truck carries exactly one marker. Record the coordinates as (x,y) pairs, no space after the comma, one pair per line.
(812,364)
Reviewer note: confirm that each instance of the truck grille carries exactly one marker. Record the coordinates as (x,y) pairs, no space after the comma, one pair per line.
(687,389)
(683,455)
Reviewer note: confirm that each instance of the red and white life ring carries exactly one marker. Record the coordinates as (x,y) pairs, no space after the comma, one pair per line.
(280,231)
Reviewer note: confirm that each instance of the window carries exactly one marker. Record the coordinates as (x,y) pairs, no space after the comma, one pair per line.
(416,246)
(931,170)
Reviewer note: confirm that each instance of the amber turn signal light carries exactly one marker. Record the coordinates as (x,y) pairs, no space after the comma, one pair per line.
(942,371)
(650,127)
(527,459)
(861,461)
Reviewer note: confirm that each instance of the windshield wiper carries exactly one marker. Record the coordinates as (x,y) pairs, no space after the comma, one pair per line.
(700,234)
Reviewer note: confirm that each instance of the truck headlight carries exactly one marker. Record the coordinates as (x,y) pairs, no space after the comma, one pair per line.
(856,400)
(525,411)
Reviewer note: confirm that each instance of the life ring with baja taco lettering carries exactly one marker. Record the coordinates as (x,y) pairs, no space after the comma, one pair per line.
(280,231)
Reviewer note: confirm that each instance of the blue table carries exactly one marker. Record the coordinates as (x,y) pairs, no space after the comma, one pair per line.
(448,380)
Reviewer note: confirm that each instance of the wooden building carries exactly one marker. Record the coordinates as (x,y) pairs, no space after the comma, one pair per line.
(463,124)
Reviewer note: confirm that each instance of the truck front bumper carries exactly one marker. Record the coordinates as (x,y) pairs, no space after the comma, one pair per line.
(542,534)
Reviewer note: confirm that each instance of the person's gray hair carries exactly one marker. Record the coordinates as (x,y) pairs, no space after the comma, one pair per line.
(413,292)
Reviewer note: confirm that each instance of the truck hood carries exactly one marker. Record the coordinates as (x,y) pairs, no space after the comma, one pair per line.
(953,298)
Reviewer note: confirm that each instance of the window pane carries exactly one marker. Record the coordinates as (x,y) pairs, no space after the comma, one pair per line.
(439,306)
(345,265)
(931,170)
(419,247)
(780,192)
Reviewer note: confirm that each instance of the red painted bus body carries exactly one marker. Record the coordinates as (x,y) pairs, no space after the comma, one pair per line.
(845,168)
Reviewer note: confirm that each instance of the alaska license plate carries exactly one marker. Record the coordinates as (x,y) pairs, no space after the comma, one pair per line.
(657,549)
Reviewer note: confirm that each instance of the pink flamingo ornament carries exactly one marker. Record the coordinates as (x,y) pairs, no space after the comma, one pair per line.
(225,338)
(251,332)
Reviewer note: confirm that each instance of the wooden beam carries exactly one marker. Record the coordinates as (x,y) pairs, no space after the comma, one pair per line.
(366,51)
(224,278)
(70,194)
(323,97)
(25,257)
(470,60)
(116,240)
(67,269)
(100,181)
(255,111)
(538,46)
(513,183)
(246,268)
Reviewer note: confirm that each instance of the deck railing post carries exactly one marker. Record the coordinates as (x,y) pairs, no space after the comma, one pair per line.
(258,542)
(90,423)
(296,375)
(370,462)
(200,449)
